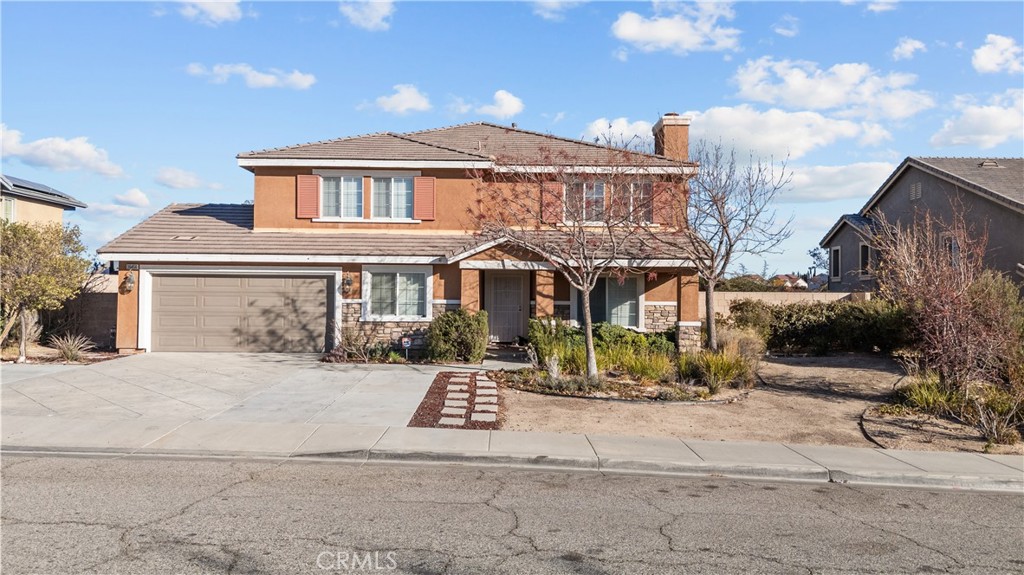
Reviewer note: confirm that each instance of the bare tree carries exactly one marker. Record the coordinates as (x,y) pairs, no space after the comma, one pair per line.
(730,212)
(586,216)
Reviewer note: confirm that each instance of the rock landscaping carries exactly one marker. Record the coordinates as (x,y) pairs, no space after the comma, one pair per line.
(460,400)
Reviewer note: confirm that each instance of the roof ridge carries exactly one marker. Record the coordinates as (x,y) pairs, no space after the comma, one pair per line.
(437,146)
(328,141)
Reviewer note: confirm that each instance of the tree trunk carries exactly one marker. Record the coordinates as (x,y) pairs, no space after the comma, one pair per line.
(8,324)
(709,316)
(23,344)
(588,331)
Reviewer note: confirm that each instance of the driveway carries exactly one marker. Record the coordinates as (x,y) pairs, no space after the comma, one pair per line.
(225,387)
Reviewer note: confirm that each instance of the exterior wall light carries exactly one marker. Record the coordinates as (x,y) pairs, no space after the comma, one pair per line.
(129,282)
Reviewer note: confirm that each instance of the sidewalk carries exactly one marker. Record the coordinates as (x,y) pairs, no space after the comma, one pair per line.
(616,454)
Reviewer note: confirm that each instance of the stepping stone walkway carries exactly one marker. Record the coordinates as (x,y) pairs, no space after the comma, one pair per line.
(479,403)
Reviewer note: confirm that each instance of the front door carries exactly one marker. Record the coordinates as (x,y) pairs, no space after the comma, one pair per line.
(505,305)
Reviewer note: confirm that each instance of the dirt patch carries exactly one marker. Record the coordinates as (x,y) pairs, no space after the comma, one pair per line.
(812,400)
(428,414)
(927,433)
(36,353)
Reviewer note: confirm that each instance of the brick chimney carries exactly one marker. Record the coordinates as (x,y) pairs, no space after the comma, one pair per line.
(672,136)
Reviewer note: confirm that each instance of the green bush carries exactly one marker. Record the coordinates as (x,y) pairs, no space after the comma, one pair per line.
(821,327)
(927,393)
(718,370)
(458,335)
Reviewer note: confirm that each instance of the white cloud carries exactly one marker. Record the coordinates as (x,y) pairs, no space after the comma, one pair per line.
(998,54)
(373,15)
(907,47)
(58,154)
(694,28)
(134,197)
(882,6)
(851,89)
(984,125)
(788,26)
(459,106)
(212,13)
(553,10)
(621,54)
(505,106)
(826,183)
(620,131)
(272,78)
(180,179)
(407,98)
(776,132)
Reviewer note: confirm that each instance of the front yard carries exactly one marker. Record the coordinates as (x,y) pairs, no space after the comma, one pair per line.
(810,400)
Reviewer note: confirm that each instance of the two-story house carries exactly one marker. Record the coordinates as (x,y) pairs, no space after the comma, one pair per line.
(373,232)
(30,202)
(988,192)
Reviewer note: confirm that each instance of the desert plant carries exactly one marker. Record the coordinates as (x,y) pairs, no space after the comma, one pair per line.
(719,369)
(71,346)
(458,335)
(927,393)
(554,370)
(686,366)
(651,366)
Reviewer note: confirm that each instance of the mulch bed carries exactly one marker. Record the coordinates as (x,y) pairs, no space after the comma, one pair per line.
(428,414)
(620,388)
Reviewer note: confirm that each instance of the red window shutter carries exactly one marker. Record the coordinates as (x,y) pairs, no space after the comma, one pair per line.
(307,197)
(424,198)
(666,202)
(552,207)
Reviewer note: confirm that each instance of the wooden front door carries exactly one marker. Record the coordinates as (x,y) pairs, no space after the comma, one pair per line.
(507,306)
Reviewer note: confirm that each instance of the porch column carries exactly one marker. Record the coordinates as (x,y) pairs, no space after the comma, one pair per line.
(470,295)
(688,334)
(545,296)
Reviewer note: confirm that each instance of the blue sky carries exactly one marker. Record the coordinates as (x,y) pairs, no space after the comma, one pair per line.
(130,106)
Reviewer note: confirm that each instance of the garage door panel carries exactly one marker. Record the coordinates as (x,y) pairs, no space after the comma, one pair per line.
(217,313)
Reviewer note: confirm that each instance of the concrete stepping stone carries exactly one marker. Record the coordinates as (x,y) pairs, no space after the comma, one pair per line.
(485,417)
(487,399)
(457,395)
(458,387)
(487,392)
(453,411)
(455,403)
(486,385)
(452,421)
(486,408)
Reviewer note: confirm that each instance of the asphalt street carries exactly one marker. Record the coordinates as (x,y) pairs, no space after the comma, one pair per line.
(162,515)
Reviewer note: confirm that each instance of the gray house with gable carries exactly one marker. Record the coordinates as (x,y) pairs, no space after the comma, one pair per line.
(990,191)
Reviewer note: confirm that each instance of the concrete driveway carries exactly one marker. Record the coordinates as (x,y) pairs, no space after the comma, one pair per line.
(225,387)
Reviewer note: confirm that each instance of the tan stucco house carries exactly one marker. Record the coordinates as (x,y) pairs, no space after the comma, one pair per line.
(31,202)
(372,232)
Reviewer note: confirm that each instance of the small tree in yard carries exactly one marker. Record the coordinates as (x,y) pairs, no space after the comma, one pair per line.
(730,213)
(585,223)
(968,327)
(41,267)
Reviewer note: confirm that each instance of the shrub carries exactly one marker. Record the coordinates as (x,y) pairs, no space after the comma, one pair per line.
(719,369)
(458,335)
(548,337)
(686,365)
(70,347)
(928,394)
(651,366)
(752,314)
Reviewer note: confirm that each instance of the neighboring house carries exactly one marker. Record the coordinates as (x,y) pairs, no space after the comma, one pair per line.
(989,192)
(789,282)
(372,233)
(29,202)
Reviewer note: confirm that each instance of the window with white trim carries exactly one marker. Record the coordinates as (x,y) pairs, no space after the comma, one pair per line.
(641,202)
(865,261)
(585,201)
(341,197)
(396,293)
(392,198)
(614,302)
(8,209)
(835,268)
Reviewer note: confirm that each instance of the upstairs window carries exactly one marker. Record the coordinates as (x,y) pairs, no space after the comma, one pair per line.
(341,197)
(585,202)
(641,202)
(393,198)
(836,269)
(8,209)
(865,261)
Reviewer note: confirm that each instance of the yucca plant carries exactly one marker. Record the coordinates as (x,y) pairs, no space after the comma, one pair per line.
(71,346)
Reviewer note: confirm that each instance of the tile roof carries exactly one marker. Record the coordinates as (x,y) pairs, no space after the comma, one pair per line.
(857,221)
(24,188)
(226,229)
(479,141)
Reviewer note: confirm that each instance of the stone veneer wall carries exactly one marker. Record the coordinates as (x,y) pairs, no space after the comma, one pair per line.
(688,338)
(659,317)
(389,331)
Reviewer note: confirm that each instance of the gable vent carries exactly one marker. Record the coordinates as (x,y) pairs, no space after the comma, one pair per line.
(915,191)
